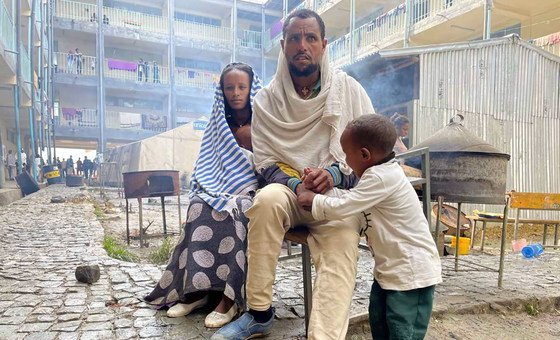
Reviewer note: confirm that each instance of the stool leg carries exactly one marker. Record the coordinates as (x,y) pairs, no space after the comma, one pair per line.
(556,234)
(473,233)
(307,286)
(503,245)
(127,225)
(515,226)
(458,236)
(544,234)
(482,239)
(163,213)
(140,222)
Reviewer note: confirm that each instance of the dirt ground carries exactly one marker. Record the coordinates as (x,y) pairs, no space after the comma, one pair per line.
(493,326)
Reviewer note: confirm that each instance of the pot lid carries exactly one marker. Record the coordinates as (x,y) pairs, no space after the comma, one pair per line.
(454,137)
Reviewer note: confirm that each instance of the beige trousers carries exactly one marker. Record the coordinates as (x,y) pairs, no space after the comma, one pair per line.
(334,250)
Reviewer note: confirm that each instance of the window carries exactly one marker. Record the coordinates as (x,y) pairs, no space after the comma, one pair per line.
(133,7)
(198,64)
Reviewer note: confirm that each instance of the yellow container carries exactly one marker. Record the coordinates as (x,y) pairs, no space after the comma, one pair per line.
(464,244)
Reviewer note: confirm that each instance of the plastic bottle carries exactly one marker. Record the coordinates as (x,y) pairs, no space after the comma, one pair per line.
(532,250)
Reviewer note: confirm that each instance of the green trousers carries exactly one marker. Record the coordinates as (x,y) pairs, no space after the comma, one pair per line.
(400,315)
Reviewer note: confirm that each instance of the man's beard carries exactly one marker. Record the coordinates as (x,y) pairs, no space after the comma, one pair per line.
(306,72)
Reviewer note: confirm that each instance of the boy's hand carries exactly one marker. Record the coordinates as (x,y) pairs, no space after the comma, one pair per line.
(305,197)
(317,180)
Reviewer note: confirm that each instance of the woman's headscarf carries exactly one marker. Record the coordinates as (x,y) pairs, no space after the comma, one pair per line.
(223,171)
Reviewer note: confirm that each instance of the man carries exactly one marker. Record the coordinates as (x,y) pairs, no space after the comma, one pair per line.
(297,123)
(70,166)
(87,167)
(23,160)
(11,162)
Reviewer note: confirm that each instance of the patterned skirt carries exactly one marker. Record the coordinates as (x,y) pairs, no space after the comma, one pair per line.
(210,256)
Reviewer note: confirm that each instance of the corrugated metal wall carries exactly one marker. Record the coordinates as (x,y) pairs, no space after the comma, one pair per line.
(509,95)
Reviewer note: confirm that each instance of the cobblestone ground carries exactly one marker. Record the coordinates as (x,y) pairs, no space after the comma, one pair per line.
(42,243)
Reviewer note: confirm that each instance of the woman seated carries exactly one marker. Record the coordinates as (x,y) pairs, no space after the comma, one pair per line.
(402,125)
(210,255)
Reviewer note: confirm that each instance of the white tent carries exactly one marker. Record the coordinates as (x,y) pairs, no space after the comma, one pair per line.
(175,149)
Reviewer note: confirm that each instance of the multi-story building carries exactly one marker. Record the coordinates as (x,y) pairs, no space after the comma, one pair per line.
(160,63)
(22,43)
(138,67)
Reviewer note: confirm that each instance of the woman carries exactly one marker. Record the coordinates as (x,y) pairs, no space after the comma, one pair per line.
(402,125)
(210,255)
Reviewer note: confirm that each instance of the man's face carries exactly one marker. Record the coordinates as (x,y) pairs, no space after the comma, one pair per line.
(303,46)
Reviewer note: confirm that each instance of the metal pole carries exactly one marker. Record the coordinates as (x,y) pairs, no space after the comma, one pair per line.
(488,19)
(31,46)
(234,31)
(263,32)
(284,8)
(407,21)
(52,133)
(315,5)
(172,94)
(352,28)
(17,86)
(100,74)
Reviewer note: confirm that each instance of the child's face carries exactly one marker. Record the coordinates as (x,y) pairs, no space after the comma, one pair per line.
(355,157)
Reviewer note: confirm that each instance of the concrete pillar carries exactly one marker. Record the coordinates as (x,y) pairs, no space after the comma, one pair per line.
(171,53)
(16,88)
(407,22)
(352,29)
(234,31)
(100,76)
(263,32)
(30,48)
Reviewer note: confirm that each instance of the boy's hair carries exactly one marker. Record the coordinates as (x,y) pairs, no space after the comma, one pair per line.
(374,132)
(304,13)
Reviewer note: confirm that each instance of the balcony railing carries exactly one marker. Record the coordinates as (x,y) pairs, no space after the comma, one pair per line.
(324,5)
(251,39)
(7,29)
(129,70)
(78,117)
(193,30)
(71,63)
(550,43)
(195,78)
(76,10)
(136,20)
(388,28)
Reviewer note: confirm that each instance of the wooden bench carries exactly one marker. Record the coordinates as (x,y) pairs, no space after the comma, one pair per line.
(523,201)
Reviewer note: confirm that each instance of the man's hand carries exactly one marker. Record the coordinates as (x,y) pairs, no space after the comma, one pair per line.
(317,180)
(305,197)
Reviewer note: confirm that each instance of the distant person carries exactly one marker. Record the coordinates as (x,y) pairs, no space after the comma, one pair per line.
(79,167)
(79,61)
(155,69)
(140,69)
(70,166)
(11,163)
(146,70)
(63,168)
(24,160)
(105,19)
(402,125)
(88,165)
(407,265)
(70,62)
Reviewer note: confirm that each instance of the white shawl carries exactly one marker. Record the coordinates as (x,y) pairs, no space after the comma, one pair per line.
(305,132)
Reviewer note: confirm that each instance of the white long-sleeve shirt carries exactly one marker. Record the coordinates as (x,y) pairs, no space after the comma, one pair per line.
(406,256)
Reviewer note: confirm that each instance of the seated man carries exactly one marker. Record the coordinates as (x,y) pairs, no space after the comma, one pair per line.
(297,122)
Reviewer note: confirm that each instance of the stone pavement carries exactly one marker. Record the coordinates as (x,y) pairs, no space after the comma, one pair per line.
(42,243)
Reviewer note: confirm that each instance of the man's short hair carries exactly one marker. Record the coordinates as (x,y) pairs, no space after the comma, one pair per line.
(304,13)
(374,132)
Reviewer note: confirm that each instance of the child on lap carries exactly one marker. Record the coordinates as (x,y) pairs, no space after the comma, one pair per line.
(407,265)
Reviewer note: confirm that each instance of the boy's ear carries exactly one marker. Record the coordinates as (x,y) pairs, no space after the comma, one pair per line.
(366,155)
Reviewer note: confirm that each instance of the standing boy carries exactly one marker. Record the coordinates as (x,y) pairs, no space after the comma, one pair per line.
(407,265)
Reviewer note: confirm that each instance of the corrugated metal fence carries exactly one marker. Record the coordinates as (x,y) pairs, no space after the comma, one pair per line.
(509,95)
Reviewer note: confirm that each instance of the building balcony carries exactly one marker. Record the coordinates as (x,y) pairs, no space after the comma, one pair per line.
(216,37)
(388,29)
(549,43)
(119,126)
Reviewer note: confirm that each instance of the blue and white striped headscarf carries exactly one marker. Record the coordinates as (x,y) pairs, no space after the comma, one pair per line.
(223,171)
